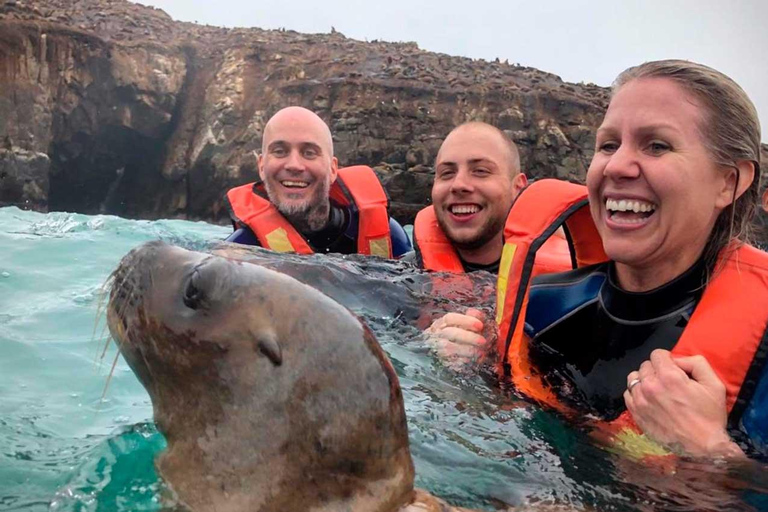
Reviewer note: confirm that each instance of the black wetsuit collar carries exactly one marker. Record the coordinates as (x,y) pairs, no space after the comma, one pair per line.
(338,221)
(493,268)
(646,306)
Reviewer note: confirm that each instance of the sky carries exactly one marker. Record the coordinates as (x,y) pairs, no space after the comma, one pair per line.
(578,40)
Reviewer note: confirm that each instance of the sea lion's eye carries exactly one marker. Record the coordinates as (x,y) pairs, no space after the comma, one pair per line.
(192,293)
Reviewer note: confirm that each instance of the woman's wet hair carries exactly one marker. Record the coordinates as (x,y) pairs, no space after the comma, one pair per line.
(731,132)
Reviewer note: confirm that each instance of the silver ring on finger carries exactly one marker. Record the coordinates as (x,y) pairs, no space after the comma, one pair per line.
(633,383)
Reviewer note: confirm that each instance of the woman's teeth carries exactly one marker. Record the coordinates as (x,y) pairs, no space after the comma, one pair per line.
(624,205)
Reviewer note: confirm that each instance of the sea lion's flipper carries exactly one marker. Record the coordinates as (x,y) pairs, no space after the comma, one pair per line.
(267,344)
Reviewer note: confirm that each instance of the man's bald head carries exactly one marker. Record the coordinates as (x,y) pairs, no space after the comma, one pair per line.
(296,119)
(298,168)
(479,128)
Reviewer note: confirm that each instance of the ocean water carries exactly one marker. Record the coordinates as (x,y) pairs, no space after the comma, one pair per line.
(69,442)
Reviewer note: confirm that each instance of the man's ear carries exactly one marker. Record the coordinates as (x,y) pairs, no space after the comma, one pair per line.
(334,169)
(261,166)
(519,182)
(737,178)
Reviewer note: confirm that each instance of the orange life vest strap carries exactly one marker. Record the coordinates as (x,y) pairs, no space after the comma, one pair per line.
(271,228)
(539,210)
(437,252)
(553,256)
(363,189)
(355,186)
(434,248)
(730,320)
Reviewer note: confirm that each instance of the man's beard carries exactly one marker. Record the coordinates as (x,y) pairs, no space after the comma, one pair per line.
(310,215)
(487,232)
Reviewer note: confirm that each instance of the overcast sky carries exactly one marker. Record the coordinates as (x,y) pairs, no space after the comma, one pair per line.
(579,40)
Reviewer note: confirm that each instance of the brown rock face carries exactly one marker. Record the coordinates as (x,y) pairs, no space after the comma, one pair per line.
(112,107)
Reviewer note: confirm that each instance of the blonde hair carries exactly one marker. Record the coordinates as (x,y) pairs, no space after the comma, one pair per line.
(731,132)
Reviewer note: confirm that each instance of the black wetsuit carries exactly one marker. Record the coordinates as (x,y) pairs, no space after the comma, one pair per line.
(587,334)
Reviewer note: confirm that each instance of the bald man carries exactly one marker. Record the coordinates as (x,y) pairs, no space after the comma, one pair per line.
(304,203)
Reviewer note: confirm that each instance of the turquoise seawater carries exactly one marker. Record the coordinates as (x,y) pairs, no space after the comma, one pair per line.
(65,447)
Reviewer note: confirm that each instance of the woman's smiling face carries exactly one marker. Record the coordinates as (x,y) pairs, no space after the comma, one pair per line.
(655,190)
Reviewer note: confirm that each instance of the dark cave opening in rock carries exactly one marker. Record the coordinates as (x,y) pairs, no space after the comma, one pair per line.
(114,172)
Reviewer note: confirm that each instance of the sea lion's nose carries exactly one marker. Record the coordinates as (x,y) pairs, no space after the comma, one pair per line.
(202,286)
(193,294)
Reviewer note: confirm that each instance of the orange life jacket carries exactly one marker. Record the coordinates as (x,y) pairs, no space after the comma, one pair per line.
(542,208)
(434,248)
(437,253)
(356,187)
(728,325)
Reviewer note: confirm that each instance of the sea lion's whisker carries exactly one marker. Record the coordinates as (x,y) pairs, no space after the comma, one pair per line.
(109,377)
(120,313)
(117,282)
(101,315)
(106,339)
(106,287)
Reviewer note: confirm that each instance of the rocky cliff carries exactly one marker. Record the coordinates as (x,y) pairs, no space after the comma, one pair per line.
(111,107)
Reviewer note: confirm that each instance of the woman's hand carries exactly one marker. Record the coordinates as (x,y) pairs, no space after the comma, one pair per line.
(680,401)
(458,337)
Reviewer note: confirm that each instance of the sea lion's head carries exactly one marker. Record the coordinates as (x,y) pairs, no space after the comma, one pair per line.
(271,396)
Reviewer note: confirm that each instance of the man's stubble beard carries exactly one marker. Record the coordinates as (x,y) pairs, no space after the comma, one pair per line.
(309,216)
(490,230)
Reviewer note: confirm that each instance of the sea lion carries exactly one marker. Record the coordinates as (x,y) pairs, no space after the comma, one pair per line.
(374,286)
(271,396)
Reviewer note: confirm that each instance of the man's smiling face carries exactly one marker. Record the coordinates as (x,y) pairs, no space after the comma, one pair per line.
(476,180)
(298,167)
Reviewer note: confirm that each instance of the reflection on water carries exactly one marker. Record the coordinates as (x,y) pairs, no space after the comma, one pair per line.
(63,448)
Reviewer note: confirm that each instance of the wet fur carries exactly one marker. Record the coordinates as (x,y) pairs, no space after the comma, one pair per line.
(321,426)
